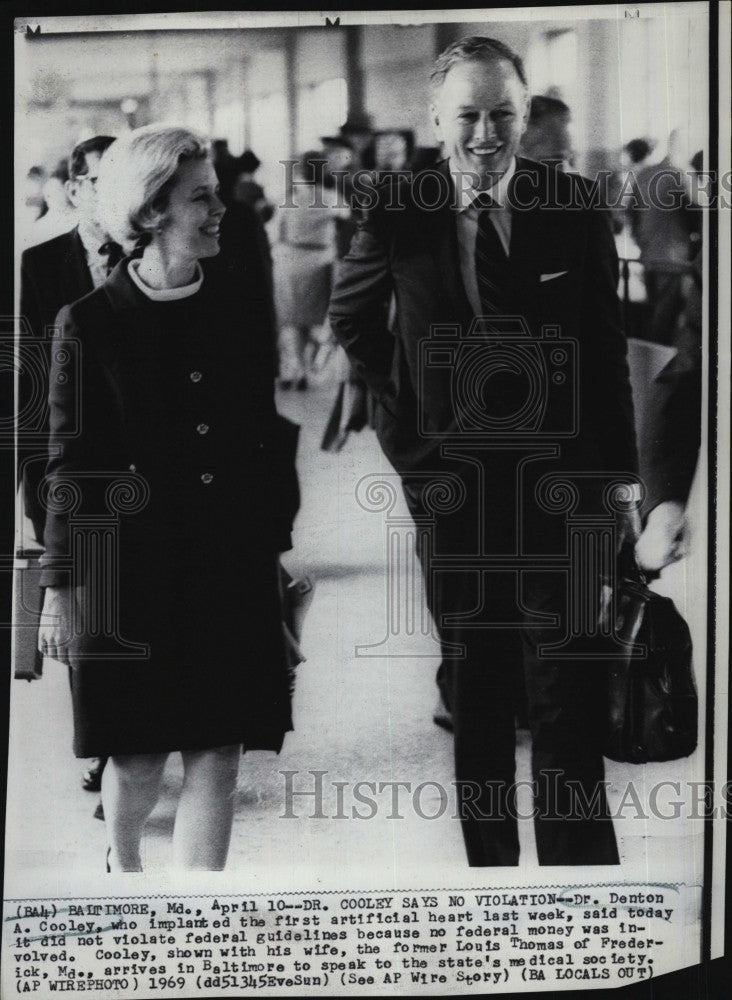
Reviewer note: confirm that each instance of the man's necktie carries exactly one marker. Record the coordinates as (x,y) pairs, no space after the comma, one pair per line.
(491,263)
(502,390)
(113,252)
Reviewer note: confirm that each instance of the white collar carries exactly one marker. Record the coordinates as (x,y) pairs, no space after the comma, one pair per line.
(91,242)
(467,195)
(164,294)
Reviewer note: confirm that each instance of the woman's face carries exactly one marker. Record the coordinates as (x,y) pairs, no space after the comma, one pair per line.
(190,227)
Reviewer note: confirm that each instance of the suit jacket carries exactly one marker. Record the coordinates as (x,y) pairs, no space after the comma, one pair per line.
(564,274)
(52,275)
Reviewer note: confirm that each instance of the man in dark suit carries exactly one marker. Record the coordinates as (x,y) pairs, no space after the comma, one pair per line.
(52,275)
(525,418)
(58,272)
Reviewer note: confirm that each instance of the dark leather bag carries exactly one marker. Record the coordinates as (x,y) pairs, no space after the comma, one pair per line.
(652,698)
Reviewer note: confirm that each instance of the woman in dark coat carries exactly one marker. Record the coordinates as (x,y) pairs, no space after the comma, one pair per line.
(169,499)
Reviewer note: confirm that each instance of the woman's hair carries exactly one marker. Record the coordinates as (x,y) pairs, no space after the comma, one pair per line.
(136,176)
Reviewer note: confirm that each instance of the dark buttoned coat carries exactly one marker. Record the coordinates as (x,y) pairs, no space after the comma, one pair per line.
(171,491)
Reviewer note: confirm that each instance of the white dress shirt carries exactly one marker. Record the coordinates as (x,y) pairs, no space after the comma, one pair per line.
(467,228)
(95,261)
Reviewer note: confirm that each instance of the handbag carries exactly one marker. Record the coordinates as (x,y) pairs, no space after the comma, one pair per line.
(651,692)
(27,603)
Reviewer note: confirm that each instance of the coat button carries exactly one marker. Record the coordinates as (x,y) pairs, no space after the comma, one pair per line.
(133,468)
(207,478)
(196,376)
(203,428)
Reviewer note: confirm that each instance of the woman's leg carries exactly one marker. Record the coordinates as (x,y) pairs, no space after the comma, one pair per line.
(130,790)
(206,808)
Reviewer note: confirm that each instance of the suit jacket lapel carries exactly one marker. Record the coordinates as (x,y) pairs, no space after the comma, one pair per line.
(525,222)
(77,276)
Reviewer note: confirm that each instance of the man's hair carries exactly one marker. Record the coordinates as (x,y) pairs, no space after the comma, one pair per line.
(137,175)
(546,107)
(78,165)
(474,48)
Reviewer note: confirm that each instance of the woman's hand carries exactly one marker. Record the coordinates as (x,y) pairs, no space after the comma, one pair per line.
(55,631)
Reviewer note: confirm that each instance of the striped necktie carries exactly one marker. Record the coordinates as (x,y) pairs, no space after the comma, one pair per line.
(491,263)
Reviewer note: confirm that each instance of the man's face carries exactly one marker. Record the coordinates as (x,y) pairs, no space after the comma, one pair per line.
(480,114)
(83,191)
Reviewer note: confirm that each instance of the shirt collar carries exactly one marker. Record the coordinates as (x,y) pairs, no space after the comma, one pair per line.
(91,242)
(164,294)
(467,195)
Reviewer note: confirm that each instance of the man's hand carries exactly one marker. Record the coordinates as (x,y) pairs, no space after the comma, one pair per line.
(54,634)
(629,528)
(665,539)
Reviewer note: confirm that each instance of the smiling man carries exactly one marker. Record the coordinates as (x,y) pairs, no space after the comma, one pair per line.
(502,389)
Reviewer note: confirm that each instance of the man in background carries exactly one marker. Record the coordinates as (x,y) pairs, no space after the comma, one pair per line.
(547,138)
(54,274)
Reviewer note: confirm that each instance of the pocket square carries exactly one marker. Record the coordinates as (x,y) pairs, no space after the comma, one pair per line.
(550,277)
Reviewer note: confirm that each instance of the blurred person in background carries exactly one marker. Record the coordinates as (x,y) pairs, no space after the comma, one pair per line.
(340,163)
(634,156)
(60,213)
(358,133)
(393,149)
(61,270)
(33,204)
(244,245)
(226,167)
(53,274)
(246,188)
(637,152)
(669,451)
(663,221)
(175,382)
(304,257)
(547,137)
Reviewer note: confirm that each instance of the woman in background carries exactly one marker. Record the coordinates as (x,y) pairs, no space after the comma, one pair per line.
(170,366)
(303,266)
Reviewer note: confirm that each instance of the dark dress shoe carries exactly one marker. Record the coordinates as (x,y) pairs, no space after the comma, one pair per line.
(91,778)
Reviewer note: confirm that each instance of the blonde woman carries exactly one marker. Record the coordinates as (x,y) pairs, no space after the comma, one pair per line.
(166,373)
